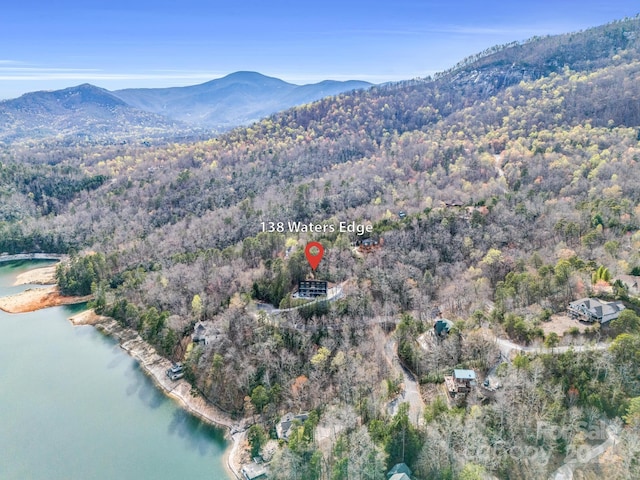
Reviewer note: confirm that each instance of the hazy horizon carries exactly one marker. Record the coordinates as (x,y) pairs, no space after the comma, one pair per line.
(161,44)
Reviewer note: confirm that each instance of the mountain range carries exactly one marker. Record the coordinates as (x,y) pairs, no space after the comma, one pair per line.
(238,98)
(76,113)
(87,111)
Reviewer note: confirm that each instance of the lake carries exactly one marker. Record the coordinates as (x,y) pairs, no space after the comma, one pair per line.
(73,405)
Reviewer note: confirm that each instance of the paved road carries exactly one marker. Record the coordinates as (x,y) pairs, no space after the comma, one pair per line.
(411,388)
(506,346)
(582,457)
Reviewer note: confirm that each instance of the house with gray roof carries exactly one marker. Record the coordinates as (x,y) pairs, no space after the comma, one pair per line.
(199,333)
(204,333)
(254,471)
(595,310)
(283,429)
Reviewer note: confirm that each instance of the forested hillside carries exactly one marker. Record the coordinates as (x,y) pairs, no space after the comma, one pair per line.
(79,115)
(517,177)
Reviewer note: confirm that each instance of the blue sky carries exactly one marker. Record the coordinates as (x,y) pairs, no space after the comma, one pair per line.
(119,44)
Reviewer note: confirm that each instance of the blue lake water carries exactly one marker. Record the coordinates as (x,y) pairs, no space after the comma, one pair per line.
(73,405)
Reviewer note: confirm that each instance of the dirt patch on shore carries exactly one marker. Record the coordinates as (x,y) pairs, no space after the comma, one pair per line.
(37,276)
(36,299)
(88,317)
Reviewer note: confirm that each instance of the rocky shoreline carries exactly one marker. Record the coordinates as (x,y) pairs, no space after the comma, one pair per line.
(156,366)
(153,364)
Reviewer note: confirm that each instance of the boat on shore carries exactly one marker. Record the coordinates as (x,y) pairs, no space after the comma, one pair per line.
(176,372)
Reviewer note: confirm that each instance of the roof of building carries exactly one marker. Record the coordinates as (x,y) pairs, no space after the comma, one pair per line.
(204,332)
(442,325)
(399,476)
(287,420)
(399,468)
(253,471)
(597,307)
(464,374)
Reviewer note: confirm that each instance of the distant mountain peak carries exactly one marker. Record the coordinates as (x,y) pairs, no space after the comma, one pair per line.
(70,97)
(87,86)
(235,99)
(244,78)
(247,75)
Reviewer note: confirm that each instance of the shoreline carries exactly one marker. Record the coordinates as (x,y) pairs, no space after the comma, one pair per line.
(15,257)
(151,363)
(155,366)
(38,276)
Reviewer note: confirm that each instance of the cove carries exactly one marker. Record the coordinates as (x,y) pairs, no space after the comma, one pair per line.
(73,405)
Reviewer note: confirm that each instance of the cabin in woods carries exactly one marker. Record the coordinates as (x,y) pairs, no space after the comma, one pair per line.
(460,383)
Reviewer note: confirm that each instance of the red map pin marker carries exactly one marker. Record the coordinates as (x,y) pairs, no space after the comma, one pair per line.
(314,258)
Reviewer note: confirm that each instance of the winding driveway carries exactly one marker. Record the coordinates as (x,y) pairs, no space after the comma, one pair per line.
(582,457)
(411,394)
(506,346)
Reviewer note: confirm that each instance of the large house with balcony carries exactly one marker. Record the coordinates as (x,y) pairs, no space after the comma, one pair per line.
(595,310)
